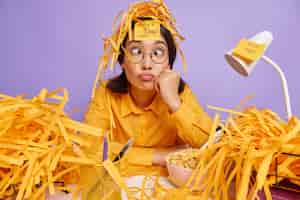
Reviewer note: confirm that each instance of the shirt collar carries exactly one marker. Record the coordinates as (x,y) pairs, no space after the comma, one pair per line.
(128,106)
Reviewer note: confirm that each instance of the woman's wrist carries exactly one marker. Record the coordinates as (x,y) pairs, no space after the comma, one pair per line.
(174,105)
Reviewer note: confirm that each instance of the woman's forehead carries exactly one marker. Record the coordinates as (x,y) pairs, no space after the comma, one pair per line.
(147,42)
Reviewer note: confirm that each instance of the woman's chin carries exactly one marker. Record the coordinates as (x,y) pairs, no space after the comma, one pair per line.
(147,86)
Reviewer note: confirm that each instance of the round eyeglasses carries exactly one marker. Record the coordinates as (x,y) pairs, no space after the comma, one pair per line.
(136,54)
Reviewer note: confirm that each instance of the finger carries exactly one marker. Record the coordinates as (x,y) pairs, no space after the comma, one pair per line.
(163,73)
(167,70)
(156,85)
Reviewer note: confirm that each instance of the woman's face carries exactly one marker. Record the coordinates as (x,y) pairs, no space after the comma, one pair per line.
(144,61)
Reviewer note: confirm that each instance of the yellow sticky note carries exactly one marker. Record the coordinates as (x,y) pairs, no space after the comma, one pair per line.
(147,30)
(156,1)
(248,51)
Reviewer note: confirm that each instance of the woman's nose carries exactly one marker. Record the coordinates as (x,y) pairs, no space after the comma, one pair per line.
(147,62)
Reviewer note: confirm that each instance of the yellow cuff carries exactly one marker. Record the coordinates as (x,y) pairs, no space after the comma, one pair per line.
(140,156)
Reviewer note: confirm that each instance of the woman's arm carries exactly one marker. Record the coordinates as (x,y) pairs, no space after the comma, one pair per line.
(146,155)
(192,122)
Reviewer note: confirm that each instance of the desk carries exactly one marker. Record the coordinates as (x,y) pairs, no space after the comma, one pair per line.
(136,181)
(277,194)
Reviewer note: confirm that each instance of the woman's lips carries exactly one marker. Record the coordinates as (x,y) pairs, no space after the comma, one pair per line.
(146,77)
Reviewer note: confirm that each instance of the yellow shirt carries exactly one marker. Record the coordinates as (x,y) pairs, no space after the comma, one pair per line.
(150,128)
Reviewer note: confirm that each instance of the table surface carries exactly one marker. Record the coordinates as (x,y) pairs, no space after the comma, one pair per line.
(277,194)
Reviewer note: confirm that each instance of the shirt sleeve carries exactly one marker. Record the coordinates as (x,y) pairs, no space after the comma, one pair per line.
(97,115)
(145,158)
(192,122)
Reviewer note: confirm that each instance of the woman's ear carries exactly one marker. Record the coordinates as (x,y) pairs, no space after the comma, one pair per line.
(123,65)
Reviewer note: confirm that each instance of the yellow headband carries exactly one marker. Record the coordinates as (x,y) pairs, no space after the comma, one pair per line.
(155,10)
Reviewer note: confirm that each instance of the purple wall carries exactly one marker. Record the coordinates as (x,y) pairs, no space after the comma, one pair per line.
(57,43)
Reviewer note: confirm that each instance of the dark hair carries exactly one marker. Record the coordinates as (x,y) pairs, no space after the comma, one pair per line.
(119,84)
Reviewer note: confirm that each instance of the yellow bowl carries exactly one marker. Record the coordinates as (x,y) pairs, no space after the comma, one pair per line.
(178,174)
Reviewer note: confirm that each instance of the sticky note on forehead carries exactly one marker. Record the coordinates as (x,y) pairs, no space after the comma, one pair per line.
(147,30)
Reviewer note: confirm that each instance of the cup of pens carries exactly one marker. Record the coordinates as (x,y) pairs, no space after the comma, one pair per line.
(111,181)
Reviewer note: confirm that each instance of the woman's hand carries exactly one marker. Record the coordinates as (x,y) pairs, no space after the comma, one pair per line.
(167,84)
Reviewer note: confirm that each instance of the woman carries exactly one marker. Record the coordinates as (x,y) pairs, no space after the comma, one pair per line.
(148,102)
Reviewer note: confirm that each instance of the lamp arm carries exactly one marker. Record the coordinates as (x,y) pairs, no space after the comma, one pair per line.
(284,84)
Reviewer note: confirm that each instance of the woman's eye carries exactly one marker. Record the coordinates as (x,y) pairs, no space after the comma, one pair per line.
(159,52)
(135,51)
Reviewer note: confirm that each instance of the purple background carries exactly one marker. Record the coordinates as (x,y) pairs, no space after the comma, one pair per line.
(57,43)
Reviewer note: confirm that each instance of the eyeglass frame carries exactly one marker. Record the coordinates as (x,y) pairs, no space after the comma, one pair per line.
(143,56)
